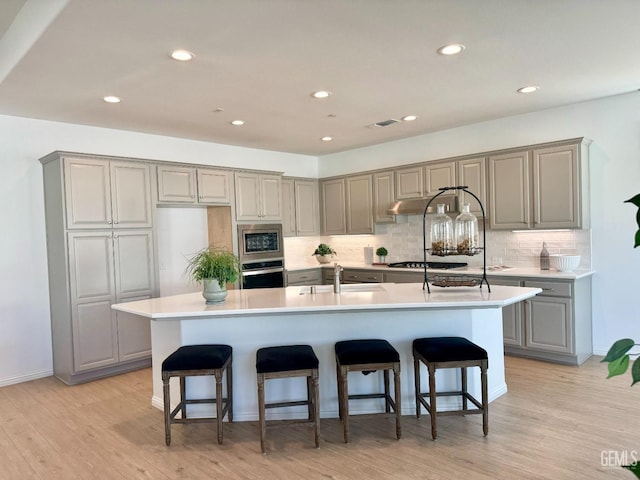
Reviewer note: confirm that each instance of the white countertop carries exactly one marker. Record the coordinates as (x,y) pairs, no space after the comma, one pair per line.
(378,296)
(529,272)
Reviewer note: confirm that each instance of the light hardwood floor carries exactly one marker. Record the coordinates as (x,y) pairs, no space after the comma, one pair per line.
(554,423)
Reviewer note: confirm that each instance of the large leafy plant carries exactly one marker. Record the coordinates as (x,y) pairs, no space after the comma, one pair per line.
(216,263)
(618,356)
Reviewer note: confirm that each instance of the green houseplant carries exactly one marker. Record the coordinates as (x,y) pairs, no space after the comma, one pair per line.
(382,253)
(324,253)
(618,355)
(214,268)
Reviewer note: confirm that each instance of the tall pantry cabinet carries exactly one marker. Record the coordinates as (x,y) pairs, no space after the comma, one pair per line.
(100,251)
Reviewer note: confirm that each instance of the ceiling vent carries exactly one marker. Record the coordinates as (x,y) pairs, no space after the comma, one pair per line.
(384,123)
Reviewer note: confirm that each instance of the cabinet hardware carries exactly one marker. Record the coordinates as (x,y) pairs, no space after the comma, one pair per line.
(548,289)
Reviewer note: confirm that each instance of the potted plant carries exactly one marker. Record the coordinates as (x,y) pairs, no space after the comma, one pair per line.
(382,253)
(214,268)
(324,253)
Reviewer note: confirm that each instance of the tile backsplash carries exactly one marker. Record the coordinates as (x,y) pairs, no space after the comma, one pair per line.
(404,242)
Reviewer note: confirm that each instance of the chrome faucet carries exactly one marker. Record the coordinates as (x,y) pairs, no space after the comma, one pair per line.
(336,277)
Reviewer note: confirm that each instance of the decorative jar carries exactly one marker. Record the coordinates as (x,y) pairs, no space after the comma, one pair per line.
(441,232)
(466,228)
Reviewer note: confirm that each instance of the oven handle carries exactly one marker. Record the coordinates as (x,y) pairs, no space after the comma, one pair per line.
(261,272)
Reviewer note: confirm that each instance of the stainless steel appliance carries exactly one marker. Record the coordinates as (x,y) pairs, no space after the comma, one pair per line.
(261,252)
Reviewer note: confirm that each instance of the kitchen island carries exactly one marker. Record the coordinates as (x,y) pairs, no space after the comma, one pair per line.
(250,319)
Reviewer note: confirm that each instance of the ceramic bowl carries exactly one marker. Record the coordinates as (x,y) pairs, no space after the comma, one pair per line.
(565,263)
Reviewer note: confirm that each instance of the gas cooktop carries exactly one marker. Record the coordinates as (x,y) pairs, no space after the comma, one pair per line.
(435,265)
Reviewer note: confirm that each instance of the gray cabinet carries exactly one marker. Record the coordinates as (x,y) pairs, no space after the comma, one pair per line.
(409,182)
(540,187)
(190,185)
(258,197)
(439,175)
(106,194)
(354,275)
(359,204)
(384,194)
(512,327)
(333,213)
(471,172)
(300,207)
(93,265)
(312,276)
(403,277)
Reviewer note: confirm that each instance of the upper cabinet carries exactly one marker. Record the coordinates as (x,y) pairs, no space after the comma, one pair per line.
(106,194)
(472,174)
(409,183)
(359,205)
(205,186)
(258,197)
(384,194)
(333,214)
(438,175)
(540,188)
(300,207)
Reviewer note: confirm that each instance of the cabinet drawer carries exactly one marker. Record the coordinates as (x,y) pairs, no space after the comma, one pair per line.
(551,289)
(361,276)
(304,277)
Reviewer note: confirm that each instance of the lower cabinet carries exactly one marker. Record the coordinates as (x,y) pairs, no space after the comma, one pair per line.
(352,275)
(312,276)
(554,325)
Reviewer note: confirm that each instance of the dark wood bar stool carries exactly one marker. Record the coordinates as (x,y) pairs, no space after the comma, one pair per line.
(450,352)
(367,356)
(286,362)
(191,361)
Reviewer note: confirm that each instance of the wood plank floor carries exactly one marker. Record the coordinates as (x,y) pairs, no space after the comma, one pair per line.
(554,423)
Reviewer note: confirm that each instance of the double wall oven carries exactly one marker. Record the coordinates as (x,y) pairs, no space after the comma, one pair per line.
(261,252)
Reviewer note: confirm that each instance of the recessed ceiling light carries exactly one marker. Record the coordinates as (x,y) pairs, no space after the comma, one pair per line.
(321,94)
(409,118)
(529,89)
(237,122)
(112,99)
(326,139)
(182,55)
(451,49)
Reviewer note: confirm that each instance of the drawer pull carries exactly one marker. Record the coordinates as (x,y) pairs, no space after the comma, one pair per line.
(548,289)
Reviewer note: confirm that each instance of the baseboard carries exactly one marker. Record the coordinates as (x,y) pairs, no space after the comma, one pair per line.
(4,382)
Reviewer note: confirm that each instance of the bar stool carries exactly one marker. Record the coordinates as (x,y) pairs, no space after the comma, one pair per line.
(367,356)
(286,362)
(450,352)
(191,361)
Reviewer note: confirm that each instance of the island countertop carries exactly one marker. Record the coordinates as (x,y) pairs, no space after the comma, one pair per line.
(353,297)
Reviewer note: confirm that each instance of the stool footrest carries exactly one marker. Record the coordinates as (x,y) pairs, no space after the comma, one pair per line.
(286,404)
(423,396)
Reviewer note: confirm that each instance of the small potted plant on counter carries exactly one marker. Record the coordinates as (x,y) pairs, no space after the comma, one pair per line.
(324,253)
(214,268)
(382,253)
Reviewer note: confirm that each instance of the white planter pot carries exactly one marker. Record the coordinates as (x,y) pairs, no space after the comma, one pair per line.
(324,258)
(213,292)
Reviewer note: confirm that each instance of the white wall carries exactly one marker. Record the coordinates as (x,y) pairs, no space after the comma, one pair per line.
(25,341)
(614,126)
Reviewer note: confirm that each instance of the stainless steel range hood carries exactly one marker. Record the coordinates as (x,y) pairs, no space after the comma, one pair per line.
(416,206)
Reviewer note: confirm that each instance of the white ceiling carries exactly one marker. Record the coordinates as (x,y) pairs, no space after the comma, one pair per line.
(260,60)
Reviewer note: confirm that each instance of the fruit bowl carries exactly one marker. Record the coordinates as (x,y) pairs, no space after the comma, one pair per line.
(565,263)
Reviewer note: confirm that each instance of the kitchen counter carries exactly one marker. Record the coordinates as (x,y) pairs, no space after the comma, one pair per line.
(529,272)
(250,319)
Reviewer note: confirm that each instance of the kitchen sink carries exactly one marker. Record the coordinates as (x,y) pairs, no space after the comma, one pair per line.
(344,288)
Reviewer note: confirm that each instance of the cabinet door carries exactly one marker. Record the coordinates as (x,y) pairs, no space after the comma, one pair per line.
(270,198)
(549,324)
(512,330)
(359,204)
(134,335)
(439,175)
(556,185)
(334,221)
(288,208)
(306,207)
(361,276)
(409,183)
(176,184)
(402,277)
(92,293)
(472,174)
(214,186)
(247,196)
(130,195)
(509,205)
(134,264)
(88,194)
(383,197)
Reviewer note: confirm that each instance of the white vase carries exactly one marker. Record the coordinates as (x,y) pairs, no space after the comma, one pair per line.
(324,258)
(212,291)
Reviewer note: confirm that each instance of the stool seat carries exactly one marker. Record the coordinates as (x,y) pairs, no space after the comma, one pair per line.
(367,356)
(352,352)
(450,352)
(191,361)
(285,358)
(197,357)
(448,349)
(288,361)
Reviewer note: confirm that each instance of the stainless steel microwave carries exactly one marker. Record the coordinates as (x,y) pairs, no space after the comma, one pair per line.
(260,242)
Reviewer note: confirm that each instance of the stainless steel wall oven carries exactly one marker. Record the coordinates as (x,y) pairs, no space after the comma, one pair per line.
(261,253)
